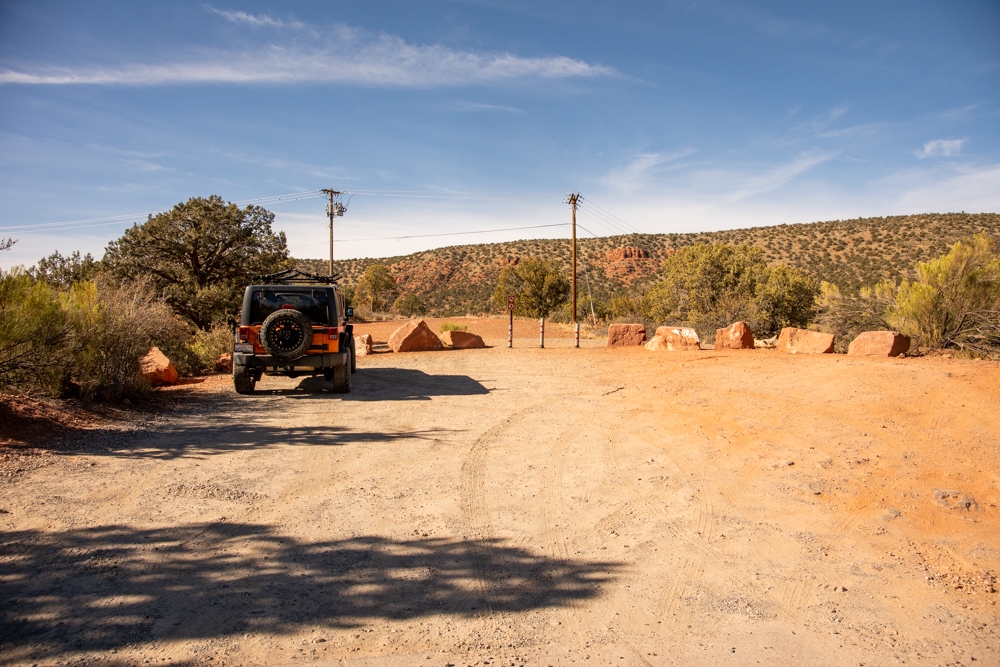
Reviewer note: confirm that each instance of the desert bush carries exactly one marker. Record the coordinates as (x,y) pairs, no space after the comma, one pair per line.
(61,272)
(538,286)
(33,333)
(848,315)
(451,326)
(710,286)
(112,327)
(955,300)
(409,305)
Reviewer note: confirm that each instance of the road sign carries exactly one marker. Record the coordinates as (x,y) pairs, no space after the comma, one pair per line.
(510,302)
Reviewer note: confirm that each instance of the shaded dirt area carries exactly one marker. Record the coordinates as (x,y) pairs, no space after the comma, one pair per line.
(526,506)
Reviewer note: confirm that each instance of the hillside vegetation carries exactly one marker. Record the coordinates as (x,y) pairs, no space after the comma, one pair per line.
(848,253)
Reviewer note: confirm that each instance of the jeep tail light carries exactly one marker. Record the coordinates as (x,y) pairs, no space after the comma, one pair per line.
(244,334)
(333,333)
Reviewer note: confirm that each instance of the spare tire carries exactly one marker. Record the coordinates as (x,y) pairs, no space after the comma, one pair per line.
(286,334)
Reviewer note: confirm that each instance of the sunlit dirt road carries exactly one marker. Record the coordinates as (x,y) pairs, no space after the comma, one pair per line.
(526,506)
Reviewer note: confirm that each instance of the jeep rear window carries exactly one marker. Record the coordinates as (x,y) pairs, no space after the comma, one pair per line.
(313,304)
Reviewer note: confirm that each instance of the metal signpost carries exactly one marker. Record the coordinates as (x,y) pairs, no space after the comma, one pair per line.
(510,328)
(541,332)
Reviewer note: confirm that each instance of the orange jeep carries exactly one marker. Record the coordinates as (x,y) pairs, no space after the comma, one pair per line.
(293,324)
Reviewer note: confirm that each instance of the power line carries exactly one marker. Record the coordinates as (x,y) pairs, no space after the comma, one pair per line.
(425,236)
(134,217)
(612,216)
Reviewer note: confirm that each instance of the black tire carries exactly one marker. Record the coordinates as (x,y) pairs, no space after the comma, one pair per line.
(243,379)
(354,363)
(286,334)
(342,377)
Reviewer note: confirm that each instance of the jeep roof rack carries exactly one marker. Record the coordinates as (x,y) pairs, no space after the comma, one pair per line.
(295,277)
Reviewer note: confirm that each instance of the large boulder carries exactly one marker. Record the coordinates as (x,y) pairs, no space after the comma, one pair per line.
(157,370)
(803,341)
(626,335)
(462,340)
(414,336)
(363,345)
(675,339)
(736,336)
(879,344)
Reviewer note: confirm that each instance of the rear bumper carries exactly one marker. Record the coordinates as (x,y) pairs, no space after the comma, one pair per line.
(310,361)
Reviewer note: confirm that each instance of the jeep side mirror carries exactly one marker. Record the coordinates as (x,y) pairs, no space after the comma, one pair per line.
(349,311)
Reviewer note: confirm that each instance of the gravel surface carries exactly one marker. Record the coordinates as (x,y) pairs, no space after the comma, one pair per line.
(525,507)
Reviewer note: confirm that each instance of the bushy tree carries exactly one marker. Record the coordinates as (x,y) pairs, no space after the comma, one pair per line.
(955,300)
(710,286)
(375,287)
(201,255)
(409,305)
(62,271)
(538,286)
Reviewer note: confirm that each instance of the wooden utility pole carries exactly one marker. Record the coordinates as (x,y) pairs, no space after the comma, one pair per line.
(572,200)
(333,209)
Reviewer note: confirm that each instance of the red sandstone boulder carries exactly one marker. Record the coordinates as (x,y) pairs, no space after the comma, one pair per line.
(803,341)
(414,336)
(626,335)
(879,344)
(736,336)
(676,339)
(157,370)
(462,340)
(363,345)
(224,364)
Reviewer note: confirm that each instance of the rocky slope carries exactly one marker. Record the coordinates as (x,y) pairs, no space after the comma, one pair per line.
(457,280)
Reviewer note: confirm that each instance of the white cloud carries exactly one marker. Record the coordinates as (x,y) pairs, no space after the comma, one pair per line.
(255,19)
(640,168)
(351,56)
(942,147)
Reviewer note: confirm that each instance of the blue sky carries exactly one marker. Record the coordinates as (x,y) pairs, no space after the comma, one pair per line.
(457,116)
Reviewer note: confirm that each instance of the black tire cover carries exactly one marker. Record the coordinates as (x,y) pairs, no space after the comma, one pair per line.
(286,334)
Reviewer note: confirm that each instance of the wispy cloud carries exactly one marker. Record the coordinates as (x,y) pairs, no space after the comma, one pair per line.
(254,19)
(942,148)
(475,106)
(350,56)
(640,167)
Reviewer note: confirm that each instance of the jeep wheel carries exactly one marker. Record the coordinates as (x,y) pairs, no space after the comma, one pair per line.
(342,377)
(243,379)
(286,334)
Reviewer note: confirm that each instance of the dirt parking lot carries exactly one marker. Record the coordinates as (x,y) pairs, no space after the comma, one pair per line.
(527,507)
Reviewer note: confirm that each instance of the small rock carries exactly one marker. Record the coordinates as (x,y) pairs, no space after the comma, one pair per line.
(803,341)
(363,345)
(879,344)
(157,369)
(462,340)
(626,335)
(735,337)
(674,339)
(414,336)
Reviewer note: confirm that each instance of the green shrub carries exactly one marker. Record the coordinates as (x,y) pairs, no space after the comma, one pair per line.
(710,286)
(112,328)
(33,333)
(955,301)
(451,326)
(538,286)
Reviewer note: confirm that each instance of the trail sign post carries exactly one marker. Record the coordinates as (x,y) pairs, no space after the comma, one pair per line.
(510,327)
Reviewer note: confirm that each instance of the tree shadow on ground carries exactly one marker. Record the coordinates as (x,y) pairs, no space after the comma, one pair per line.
(386,384)
(228,434)
(111,586)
